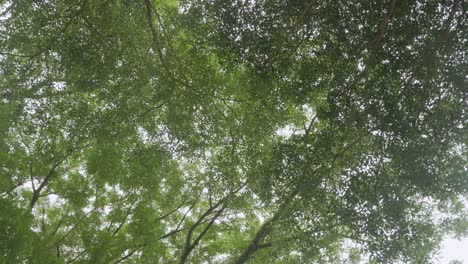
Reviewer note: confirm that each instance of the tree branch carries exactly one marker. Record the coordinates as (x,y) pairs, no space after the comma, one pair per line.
(376,44)
(149,15)
(189,245)
(446,29)
(73,228)
(37,192)
(265,229)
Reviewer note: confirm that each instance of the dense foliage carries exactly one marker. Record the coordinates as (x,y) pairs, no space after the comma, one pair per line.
(213,131)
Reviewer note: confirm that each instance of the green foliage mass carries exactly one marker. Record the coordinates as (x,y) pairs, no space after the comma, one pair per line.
(213,131)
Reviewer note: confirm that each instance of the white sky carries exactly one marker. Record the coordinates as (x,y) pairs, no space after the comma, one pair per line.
(452,249)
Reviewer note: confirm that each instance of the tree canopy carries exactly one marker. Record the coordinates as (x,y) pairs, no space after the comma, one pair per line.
(213,131)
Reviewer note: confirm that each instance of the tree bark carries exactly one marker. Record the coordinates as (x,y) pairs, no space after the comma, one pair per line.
(257,242)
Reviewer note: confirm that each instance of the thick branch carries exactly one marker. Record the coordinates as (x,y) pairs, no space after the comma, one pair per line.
(77,256)
(127,256)
(446,29)
(7,192)
(149,14)
(37,192)
(257,242)
(73,228)
(189,245)
(376,44)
